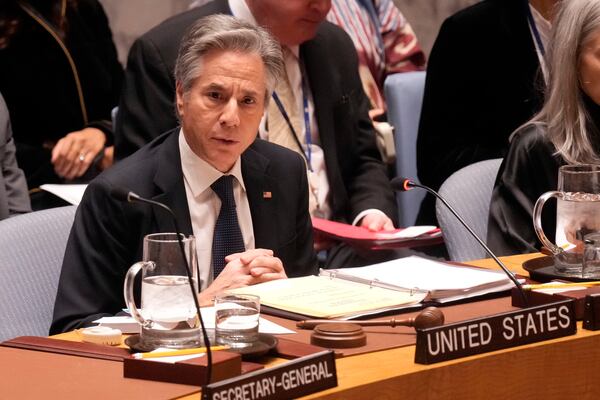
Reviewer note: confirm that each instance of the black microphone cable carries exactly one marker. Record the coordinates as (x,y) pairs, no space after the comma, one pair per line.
(401,184)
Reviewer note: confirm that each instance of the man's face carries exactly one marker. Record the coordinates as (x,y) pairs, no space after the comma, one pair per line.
(221,112)
(292,22)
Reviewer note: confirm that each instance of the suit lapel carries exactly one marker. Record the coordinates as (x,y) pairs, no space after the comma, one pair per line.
(262,194)
(171,190)
(314,57)
(326,93)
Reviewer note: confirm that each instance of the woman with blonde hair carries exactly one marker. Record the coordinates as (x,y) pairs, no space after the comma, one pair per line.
(566,130)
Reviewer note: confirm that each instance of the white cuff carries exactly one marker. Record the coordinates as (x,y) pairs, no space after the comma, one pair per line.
(362,214)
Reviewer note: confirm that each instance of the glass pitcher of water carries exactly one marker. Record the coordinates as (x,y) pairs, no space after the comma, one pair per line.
(577,214)
(168,314)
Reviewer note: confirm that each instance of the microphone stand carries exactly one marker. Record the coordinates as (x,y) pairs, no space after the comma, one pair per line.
(403,184)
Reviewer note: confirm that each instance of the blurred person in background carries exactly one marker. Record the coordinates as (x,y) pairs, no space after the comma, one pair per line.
(60,77)
(384,40)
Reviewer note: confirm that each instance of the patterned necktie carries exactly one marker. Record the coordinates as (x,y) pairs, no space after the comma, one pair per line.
(227,237)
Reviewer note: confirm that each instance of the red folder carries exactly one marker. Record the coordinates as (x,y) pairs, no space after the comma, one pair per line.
(358,236)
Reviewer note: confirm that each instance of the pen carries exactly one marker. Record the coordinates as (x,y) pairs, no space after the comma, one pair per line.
(182,352)
(561,285)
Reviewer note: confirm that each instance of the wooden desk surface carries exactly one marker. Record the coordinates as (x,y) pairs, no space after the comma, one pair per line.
(557,369)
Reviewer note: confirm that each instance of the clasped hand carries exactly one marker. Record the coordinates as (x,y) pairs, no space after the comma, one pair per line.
(244,269)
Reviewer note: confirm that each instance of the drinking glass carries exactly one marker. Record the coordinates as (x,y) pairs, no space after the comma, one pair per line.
(236,319)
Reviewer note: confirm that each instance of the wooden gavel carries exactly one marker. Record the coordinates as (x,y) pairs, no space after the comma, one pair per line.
(428,318)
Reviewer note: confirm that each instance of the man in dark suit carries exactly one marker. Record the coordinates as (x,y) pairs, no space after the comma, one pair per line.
(225,73)
(483,82)
(352,186)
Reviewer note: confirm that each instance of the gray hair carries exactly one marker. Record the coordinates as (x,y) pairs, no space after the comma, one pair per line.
(224,32)
(569,125)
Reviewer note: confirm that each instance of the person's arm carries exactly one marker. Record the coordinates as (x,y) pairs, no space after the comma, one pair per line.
(368,184)
(78,150)
(13,176)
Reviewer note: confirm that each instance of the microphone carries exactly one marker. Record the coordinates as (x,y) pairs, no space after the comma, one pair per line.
(122,194)
(401,184)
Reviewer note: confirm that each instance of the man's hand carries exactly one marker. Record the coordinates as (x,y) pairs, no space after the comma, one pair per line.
(74,153)
(376,222)
(244,269)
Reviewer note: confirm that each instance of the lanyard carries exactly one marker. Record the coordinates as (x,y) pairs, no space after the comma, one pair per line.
(534,29)
(308,151)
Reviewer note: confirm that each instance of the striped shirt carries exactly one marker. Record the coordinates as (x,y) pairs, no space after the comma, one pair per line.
(385,45)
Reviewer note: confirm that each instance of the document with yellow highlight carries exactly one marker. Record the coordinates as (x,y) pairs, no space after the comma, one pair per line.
(398,284)
(328,297)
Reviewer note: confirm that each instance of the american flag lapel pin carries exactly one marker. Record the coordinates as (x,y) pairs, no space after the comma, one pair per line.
(267,195)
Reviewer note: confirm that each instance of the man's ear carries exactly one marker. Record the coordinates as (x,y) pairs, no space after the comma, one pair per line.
(179,98)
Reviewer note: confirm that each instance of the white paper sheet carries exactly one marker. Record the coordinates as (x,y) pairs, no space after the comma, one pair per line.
(69,193)
(129,325)
(417,272)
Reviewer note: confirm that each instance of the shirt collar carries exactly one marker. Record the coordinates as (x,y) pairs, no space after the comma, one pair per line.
(199,174)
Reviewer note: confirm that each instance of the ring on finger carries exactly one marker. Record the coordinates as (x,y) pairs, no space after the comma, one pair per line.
(81,157)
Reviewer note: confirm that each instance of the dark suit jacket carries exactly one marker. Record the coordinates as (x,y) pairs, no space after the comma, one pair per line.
(106,238)
(482,83)
(357,178)
(33,62)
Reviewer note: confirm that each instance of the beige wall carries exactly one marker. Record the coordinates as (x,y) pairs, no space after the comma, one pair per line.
(131,18)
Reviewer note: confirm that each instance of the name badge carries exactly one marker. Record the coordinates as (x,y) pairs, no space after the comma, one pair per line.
(293,379)
(496,332)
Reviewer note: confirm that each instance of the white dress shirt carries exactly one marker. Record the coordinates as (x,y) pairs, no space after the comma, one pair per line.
(205,205)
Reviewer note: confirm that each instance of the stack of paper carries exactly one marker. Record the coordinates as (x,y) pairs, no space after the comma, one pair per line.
(352,292)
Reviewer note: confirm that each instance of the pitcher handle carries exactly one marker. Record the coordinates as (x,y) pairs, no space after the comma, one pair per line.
(537,220)
(128,290)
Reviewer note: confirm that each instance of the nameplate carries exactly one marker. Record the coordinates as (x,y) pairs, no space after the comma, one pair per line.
(500,331)
(293,379)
